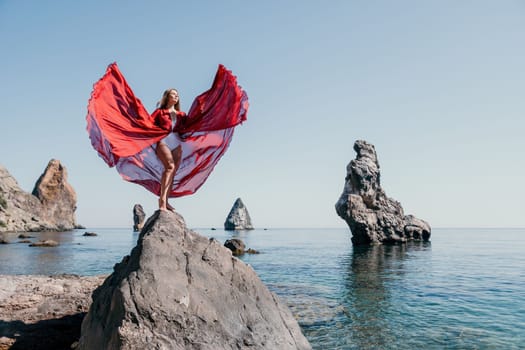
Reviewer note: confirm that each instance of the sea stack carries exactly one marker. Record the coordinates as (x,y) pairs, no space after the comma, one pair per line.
(180,290)
(373,217)
(51,206)
(138,217)
(238,218)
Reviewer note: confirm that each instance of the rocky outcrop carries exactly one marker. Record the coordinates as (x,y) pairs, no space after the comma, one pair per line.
(238,247)
(373,217)
(238,218)
(180,290)
(59,200)
(138,217)
(45,243)
(43,312)
(51,206)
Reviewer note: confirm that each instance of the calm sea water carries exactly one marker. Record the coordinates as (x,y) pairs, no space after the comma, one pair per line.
(464,290)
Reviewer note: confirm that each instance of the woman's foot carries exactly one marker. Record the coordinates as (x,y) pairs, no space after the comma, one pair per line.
(169,207)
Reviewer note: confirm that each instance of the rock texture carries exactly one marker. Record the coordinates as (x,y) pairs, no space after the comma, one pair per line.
(180,290)
(238,247)
(373,217)
(51,206)
(238,218)
(138,217)
(43,312)
(59,200)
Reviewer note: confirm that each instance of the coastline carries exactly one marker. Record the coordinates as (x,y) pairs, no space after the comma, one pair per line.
(452,289)
(44,312)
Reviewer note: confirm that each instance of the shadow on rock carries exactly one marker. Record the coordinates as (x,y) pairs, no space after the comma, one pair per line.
(56,334)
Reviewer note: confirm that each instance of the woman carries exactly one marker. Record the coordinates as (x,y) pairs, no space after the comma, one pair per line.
(169,153)
(168,149)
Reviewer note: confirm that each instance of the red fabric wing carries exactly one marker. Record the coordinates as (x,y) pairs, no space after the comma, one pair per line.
(117,122)
(223,106)
(125,134)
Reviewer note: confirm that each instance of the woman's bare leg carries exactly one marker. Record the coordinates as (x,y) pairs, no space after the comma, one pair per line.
(176,155)
(166,158)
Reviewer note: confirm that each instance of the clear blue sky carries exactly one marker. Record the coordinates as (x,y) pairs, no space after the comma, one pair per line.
(437,86)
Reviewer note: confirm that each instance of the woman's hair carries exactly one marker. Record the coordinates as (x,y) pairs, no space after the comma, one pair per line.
(164,100)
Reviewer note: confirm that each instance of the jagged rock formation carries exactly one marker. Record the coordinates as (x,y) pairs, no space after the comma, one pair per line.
(180,290)
(238,218)
(59,200)
(138,217)
(373,217)
(51,206)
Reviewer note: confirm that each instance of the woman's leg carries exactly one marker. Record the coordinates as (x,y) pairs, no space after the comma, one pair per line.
(166,158)
(176,155)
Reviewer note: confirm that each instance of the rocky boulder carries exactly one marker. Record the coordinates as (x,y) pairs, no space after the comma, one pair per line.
(373,217)
(138,217)
(238,218)
(180,290)
(51,206)
(236,246)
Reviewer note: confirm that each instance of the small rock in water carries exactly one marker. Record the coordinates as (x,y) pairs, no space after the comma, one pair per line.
(23,235)
(238,218)
(24,241)
(236,246)
(89,234)
(46,243)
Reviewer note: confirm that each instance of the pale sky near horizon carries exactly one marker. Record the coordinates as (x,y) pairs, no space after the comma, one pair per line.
(437,86)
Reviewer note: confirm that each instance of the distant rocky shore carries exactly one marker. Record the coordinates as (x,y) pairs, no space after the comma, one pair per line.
(50,207)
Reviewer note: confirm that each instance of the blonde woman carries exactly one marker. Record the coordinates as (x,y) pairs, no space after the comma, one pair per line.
(169,153)
(168,150)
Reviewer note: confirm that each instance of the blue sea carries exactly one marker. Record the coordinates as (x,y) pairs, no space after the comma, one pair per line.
(463,290)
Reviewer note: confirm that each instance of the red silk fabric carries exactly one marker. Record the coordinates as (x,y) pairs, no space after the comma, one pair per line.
(125,135)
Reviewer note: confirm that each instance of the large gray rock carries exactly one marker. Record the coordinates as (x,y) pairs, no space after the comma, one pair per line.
(373,217)
(238,218)
(51,206)
(180,290)
(138,217)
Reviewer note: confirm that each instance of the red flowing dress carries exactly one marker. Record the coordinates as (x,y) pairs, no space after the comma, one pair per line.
(125,135)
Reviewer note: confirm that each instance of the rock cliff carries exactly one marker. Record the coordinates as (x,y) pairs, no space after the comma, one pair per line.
(373,217)
(180,290)
(238,218)
(51,206)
